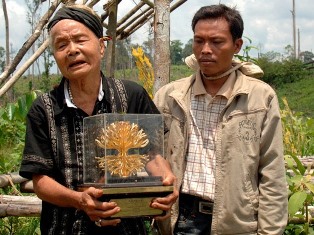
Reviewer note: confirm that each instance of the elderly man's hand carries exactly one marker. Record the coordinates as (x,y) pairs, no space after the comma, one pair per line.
(97,210)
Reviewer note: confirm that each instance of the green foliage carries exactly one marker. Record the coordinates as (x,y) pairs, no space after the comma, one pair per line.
(176,52)
(12,131)
(179,71)
(301,193)
(42,83)
(19,226)
(129,74)
(187,50)
(46,82)
(299,95)
(308,56)
(298,132)
(246,49)
(299,229)
(2,59)
(278,73)
(298,142)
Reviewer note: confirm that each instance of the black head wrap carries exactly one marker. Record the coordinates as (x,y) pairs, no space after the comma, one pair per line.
(80,15)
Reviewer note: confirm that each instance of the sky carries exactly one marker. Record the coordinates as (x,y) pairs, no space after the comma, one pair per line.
(268,24)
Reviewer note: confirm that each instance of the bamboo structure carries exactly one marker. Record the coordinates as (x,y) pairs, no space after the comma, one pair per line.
(132,21)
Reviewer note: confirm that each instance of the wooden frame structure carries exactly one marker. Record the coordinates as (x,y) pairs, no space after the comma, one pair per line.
(144,10)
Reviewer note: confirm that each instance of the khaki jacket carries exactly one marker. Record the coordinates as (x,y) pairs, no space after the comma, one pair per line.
(251,190)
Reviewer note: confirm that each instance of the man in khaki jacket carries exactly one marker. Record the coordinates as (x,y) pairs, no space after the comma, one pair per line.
(224,138)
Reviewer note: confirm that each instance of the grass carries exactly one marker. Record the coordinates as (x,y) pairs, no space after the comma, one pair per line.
(300,95)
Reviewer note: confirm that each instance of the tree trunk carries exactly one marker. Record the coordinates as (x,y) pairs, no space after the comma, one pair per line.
(7,34)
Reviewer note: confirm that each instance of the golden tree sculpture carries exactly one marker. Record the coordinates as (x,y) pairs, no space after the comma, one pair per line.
(122,136)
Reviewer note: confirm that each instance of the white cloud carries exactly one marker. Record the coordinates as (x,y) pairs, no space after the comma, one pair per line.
(17,24)
(266,23)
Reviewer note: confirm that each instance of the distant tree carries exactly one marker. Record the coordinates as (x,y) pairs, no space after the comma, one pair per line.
(48,62)
(176,52)
(280,72)
(308,56)
(148,48)
(289,52)
(2,60)
(33,6)
(7,33)
(271,56)
(187,50)
(122,54)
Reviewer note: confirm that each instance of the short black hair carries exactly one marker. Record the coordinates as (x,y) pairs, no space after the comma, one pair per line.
(231,15)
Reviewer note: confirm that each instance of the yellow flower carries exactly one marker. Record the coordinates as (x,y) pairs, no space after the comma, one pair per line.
(146,72)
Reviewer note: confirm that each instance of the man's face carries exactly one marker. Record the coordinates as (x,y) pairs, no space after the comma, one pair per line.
(213,46)
(76,49)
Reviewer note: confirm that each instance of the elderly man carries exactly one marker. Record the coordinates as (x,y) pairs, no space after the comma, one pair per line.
(53,156)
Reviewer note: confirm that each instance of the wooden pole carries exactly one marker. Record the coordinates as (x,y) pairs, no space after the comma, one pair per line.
(20,206)
(294,30)
(110,54)
(161,43)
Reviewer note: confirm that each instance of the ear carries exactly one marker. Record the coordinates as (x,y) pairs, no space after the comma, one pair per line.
(238,45)
(102,47)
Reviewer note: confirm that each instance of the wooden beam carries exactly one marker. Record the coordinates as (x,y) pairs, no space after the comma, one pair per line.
(177,4)
(106,8)
(138,19)
(130,14)
(149,3)
(139,23)
(92,3)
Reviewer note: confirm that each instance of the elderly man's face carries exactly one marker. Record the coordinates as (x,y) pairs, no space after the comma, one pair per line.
(213,46)
(76,49)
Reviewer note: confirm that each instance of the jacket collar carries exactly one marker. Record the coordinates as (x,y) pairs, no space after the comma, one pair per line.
(182,87)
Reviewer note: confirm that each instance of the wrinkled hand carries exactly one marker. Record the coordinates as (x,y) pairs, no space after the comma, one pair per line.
(97,210)
(165,203)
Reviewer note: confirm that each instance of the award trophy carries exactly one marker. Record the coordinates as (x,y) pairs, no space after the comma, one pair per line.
(123,157)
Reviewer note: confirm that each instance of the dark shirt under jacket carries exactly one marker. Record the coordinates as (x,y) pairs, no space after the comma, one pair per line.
(54,147)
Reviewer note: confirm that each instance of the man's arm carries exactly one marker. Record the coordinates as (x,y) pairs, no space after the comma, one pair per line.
(272,212)
(51,191)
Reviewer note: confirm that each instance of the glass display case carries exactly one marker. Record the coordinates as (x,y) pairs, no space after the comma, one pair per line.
(123,155)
